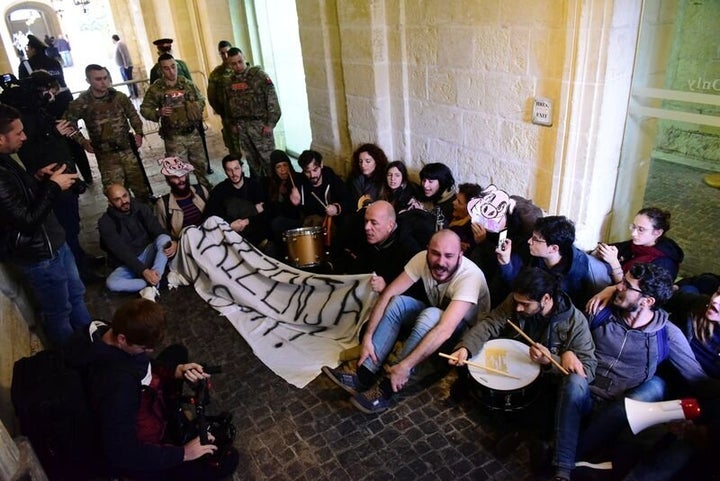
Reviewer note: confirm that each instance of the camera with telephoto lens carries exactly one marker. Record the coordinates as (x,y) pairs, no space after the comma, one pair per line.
(193,421)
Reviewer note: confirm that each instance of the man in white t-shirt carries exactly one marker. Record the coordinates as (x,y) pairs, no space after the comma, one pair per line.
(457,292)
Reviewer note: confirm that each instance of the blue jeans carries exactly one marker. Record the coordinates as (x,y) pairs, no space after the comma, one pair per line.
(123,279)
(609,418)
(402,311)
(60,293)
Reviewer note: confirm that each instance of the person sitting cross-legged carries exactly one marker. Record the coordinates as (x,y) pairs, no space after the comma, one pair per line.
(133,237)
(184,205)
(456,290)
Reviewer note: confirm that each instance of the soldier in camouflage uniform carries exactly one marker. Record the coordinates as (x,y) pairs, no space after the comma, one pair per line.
(217,81)
(251,106)
(164,45)
(177,104)
(106,113)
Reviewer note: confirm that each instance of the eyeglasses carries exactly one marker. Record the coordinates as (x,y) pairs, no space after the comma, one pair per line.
(639,229)
(535,239)
(627,286)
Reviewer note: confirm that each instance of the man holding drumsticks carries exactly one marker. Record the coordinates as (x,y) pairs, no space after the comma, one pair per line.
(456,290)
(548,317)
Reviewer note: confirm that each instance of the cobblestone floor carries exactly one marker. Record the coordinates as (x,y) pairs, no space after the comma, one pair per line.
(285,433)
(695,208)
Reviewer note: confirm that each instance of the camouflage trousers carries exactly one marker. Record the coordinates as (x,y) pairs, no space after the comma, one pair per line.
(256,146)
(189,147)
(231,138)
(122,168)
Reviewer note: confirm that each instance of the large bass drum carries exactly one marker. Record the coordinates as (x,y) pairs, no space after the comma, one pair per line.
(503,393)
(306,247)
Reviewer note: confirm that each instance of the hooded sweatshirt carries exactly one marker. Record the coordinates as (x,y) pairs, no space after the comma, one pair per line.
(627,357)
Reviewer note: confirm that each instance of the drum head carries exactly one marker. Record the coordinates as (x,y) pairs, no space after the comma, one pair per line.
(509,356)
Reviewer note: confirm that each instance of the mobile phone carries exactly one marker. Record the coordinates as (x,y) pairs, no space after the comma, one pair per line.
(501,239)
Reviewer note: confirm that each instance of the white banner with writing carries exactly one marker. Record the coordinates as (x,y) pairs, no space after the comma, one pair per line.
(294,321)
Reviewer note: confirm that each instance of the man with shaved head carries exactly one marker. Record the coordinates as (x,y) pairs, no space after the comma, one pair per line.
(134,239)
(387,248)
(456,291)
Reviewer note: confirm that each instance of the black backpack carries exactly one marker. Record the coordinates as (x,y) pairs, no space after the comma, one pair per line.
(51,402)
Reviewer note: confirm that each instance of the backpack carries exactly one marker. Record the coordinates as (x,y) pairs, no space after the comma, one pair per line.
(51,403)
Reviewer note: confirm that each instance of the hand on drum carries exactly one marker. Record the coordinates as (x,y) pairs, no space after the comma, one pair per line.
(571,363)
(461,355)
(399,376)
(539,354)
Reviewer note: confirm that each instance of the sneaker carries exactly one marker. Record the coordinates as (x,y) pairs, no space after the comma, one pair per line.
(175,279)
(345,377)
(149,293)
(372,401)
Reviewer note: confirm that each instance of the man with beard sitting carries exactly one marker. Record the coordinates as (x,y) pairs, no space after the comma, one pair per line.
(456,290)
(184,205)
(240,201)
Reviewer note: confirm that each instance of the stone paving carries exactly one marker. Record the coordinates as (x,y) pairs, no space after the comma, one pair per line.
(695,209)
(285,433)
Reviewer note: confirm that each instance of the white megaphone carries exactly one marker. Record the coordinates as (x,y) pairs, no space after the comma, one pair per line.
(641,415)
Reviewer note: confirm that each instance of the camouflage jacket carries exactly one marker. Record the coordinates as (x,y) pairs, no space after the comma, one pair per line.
(182,69)
(218,79)
(251,95)
(106,119)
(185,99)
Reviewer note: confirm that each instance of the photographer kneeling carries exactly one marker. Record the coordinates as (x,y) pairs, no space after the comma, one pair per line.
(134,397)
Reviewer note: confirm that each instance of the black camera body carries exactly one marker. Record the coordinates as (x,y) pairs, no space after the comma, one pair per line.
(193,421)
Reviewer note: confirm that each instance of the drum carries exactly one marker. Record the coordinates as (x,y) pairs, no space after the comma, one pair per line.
(305,246)
(502,393)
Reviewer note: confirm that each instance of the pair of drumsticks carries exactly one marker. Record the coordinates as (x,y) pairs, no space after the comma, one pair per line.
(496,371)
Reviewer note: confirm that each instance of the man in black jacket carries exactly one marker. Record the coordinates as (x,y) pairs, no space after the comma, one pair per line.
(32,238)
(132,397)
(132,235)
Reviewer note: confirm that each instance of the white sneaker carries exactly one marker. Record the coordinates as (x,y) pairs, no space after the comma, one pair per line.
(176,279)
(149,293)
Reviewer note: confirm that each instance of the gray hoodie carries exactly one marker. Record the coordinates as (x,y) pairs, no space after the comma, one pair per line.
(628,357)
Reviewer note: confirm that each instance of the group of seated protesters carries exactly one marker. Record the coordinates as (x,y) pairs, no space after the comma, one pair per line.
(447,283)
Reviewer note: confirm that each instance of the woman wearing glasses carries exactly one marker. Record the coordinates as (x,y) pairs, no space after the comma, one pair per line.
(647,243)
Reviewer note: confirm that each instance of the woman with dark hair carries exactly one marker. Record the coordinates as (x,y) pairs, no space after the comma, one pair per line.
(438,191)
(367,176)
(461,223)
(398,189)
(698,316)
(647,243)
(279,185)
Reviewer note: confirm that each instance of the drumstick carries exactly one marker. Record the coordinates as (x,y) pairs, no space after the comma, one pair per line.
(527,338)
(318,199)
(474,364)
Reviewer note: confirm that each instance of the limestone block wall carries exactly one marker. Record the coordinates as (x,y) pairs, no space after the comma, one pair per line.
(453,81)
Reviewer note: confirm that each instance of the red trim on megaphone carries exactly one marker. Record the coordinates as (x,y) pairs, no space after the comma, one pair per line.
(690,407)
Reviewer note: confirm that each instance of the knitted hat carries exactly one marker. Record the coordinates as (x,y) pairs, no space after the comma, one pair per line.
(278,156)
(174,167)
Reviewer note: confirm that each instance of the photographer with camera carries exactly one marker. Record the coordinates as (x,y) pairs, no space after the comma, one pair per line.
(31,237)
(134,398)
(37,100)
